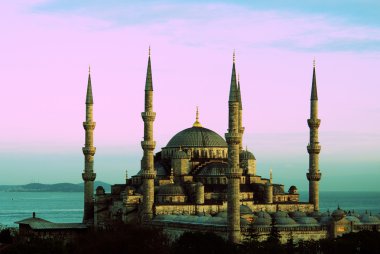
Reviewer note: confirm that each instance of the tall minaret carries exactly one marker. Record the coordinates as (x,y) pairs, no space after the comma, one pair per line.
(148,145)
(89,150)
(314,148)
(241,128)
(233,173)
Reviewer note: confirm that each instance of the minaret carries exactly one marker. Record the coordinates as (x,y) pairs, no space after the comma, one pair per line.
(148,145)
(241,128)
(89,150)
(314,148)
(233,173)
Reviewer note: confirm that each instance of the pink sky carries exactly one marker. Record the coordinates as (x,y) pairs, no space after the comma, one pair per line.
(43,75)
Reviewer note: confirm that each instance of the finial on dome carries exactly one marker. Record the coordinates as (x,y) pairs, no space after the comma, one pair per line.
(89,69)
(126,174)
(233,57)
(314,62)
(149,51)
(197,123)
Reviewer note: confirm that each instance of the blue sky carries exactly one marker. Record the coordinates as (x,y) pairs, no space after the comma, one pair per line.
(52,43)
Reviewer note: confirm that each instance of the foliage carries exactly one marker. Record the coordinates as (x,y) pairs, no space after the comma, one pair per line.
(197,242)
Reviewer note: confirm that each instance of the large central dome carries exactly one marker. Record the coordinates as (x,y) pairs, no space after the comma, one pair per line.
(196,137)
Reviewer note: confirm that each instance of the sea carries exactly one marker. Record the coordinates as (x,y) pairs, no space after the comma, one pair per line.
(68,206)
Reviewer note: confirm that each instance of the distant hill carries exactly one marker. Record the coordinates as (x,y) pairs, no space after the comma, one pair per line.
(58,187)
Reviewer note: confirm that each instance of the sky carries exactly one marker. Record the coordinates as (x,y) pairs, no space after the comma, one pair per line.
(46,47)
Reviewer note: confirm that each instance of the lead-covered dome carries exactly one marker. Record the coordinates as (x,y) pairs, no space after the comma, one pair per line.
(197,137)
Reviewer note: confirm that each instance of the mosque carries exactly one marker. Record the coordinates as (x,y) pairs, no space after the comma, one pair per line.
(201,181)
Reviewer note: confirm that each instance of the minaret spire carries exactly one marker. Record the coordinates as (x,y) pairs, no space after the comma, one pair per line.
(233,174)
(233,87)
(148,145)
(148,82)
(241,128)
(314,148)
(89,151)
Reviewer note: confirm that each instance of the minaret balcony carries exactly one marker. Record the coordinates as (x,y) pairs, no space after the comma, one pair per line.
(314,123)
(148,145)
(313,176)
(89,150)
(314,149)
(148,116)
(88,176)
(147,174)
(89,125)
(233,138)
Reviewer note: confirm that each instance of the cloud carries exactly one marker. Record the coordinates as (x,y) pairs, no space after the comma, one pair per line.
(220,24)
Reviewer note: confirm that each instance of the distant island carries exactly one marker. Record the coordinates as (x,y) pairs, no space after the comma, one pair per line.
(58,187)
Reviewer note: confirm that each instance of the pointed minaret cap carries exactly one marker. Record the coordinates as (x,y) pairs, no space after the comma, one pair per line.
(314,94)
(148,82)
(89,98)
(270,175)
(233,88)
(239,94)
(197,123)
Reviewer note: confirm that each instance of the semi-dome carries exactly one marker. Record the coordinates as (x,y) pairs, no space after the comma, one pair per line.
(171,190)
(213,169)
(197,137)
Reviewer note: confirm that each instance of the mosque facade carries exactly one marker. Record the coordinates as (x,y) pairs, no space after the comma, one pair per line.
(201,181)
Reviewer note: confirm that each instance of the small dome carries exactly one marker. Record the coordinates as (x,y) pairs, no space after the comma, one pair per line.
(315,214)
(353,213)
(171,190)
(245,210)
(338,214)
(369,219)
(297,214)
(284,221)
(293,190)
(100,190)
(180,155)
(306,220)
(353,219)
(246,155)
(280,214)
(262,220)
(221,214)
(264,215)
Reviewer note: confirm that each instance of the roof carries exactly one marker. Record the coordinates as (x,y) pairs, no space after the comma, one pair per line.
(197,137)
(40,224)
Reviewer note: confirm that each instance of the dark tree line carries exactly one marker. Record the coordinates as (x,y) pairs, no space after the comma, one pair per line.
(140,240)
